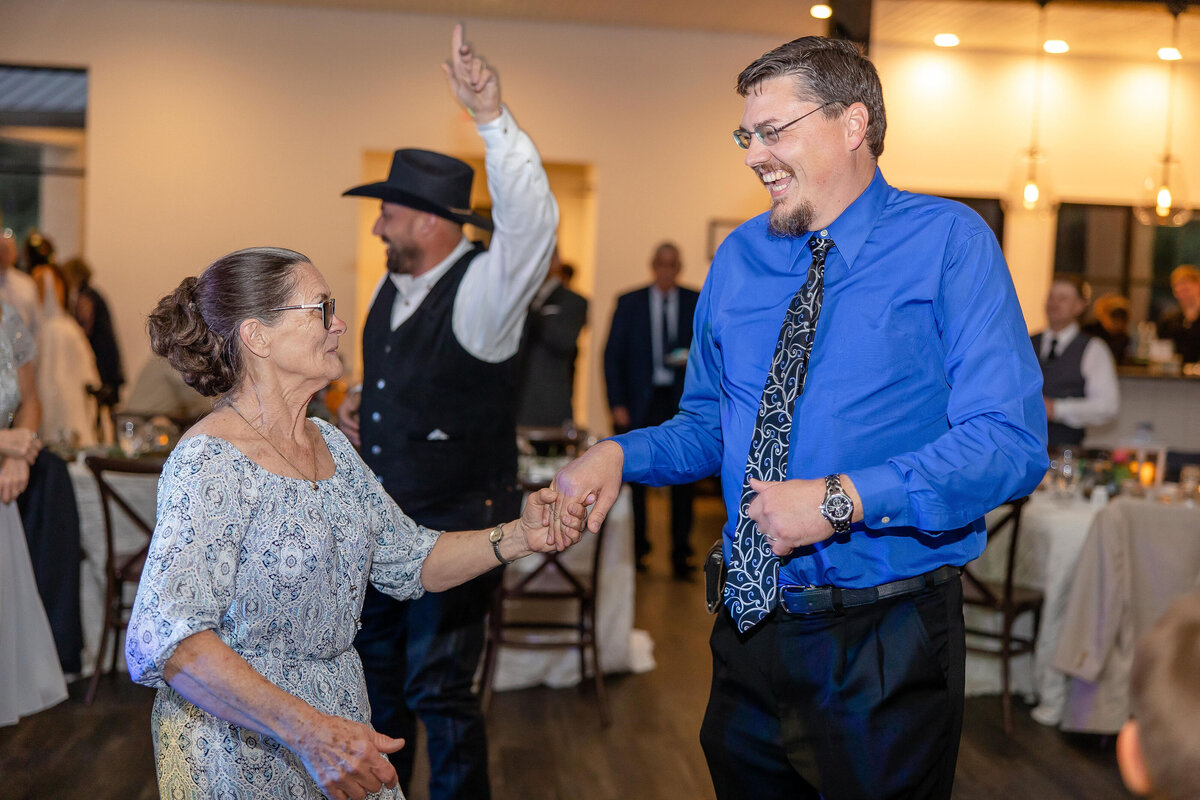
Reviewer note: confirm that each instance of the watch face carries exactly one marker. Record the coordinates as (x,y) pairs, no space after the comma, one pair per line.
(495,535)
(839,507)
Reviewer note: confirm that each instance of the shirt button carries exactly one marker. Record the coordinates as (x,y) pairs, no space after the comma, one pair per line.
(387,348)
(379,384)
(824,233)
(375,416)
(376,449)
(885,520)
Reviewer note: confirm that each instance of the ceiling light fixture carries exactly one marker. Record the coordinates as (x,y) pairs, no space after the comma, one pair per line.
(1030,190)
(946,40)
(1163,200)
(1055,46)
(1169,53)
(821,11)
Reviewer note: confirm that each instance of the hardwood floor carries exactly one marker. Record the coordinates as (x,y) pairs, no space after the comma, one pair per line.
(547,744)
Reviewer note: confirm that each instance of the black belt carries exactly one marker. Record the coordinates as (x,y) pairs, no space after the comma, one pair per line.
(818,599)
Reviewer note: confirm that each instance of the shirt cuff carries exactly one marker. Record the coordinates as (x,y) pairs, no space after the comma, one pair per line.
(497,130)
(637,455)
(884,499)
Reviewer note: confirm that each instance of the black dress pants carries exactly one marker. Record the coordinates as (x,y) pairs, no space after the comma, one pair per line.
(862,703)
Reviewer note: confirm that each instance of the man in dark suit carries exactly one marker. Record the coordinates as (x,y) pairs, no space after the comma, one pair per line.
(549,349)
(644,363)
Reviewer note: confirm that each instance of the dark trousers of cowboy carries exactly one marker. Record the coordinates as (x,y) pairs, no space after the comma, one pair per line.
(663,405)
(419,659)
(863,702)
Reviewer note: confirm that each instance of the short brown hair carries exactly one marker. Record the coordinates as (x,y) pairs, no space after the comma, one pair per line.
(1164,698)
(1076,282)
(830,71)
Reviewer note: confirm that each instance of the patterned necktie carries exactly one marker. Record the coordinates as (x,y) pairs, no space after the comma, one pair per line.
(750,587)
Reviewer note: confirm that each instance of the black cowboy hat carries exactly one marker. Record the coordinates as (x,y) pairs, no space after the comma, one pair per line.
(427,181)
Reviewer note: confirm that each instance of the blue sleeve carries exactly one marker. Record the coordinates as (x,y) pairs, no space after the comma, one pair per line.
(688,446)
(995,448)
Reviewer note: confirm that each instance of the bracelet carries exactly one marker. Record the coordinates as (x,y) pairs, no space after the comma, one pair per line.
(494,537)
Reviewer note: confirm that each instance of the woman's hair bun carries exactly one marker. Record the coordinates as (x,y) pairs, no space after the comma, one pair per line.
(179,334)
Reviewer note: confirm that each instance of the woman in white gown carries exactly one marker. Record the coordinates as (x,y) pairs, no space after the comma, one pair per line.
(66,367)
(30,676)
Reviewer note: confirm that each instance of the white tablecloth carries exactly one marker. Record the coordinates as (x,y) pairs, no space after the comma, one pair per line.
(1052,535)
(140,491)
(622,648)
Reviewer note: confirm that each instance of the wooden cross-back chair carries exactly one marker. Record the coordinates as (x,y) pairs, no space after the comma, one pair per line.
(1007,600)
(120,569)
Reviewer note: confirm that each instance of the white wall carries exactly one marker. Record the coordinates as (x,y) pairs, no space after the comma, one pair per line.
(213,127)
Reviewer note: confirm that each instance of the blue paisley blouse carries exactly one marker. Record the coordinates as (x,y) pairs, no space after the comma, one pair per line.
(277,571)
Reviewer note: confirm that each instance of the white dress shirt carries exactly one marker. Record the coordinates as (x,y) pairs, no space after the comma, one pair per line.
(663,374)
(1101,395)
(489,310)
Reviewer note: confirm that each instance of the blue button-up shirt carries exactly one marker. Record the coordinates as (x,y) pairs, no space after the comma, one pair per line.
(922,385)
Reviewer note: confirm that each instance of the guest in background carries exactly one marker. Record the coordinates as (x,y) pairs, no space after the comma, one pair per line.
(644,363)
(91,312)
(30,677)
(66,366)
(159,390)
(1079,376)
(1111,324)
(39,250)
(16,287)
(1182,326)
(1158,750)
(549,349)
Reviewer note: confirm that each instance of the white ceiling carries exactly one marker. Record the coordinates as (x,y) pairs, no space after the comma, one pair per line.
(1125,30)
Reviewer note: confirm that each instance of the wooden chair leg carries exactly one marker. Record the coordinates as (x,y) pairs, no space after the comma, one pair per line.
(1005,673)
(99,663)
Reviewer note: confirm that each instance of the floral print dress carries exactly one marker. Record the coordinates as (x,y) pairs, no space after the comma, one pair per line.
(277,570)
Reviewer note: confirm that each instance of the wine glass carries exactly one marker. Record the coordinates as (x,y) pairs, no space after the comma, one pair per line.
(130,438)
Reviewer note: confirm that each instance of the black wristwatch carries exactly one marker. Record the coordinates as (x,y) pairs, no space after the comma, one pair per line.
(838,508)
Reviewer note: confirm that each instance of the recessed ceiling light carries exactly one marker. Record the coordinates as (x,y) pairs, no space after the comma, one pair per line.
(1055,46)
(946,40)
(1169,53)
(821,11)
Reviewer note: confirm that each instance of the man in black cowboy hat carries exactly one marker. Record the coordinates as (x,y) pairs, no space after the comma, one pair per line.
(435,419)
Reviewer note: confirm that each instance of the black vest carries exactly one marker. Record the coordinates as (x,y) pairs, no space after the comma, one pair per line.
(437,424)
(1063,377)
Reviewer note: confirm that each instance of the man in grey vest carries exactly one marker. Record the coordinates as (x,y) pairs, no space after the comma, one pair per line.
(1079,376)
(435,418)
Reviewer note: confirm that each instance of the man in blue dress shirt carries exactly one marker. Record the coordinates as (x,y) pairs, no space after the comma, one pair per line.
(863,350)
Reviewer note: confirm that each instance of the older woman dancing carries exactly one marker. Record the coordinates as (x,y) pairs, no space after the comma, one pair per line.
(269,528)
